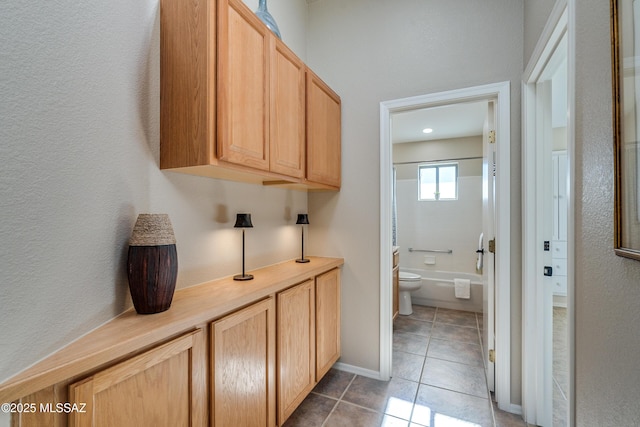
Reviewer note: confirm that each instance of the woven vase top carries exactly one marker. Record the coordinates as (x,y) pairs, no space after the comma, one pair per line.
(152,230)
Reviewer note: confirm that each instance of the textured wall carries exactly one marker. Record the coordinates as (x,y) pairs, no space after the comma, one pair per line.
(607,286)
(374,51)
(79,124)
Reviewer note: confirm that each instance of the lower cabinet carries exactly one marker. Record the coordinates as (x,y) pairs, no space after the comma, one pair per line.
(250,367)
(327,321)
(296,347)
(243,367)
(165,386)
(308,338)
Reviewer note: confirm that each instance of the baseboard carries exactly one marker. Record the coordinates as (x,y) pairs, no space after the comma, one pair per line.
(559,300)
(357,370)
(514,409)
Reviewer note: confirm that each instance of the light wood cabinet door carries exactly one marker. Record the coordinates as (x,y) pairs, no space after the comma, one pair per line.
(187,82)
(243,367)
(323,133)
(287,137)
(296,347)
(244,45)
(165,386)
(327,321)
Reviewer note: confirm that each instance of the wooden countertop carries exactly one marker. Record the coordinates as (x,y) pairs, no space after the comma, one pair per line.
(131,332)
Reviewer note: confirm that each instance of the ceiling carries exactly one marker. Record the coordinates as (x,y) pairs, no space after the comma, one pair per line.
(447,121)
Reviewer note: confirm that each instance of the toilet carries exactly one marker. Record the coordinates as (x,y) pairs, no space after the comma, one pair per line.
(409,282)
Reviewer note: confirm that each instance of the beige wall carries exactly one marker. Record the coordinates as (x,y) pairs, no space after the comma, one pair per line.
(79,123)
(536,14)
(438,150)
(371,52)
(607,286)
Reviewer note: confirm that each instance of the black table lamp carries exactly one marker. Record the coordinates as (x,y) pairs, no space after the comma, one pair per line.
(302,219)
(243,220)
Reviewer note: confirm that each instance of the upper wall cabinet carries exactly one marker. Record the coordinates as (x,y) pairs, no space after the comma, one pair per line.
(244,50)
(323,132)
(287,131)
(237,103)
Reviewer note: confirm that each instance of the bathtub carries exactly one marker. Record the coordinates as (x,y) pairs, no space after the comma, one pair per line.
(438,290)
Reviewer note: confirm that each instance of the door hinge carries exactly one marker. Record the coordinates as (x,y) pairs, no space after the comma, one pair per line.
(492,356)
(492,246)
(492,137)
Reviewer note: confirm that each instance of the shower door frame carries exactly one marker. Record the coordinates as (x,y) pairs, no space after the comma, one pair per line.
(500,92)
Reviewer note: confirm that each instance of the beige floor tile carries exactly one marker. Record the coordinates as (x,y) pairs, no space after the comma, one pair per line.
(445,387)
(312,411)
(455,351)
(334,383)
(407,366)
(393,397)
(436,406)
(410,343)
(421,312)
(455,377)
(455,333)
(506,419)
(346,414)
(412,326)
(456,317)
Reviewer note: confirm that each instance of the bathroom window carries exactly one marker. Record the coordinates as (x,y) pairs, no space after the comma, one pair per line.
(438,181)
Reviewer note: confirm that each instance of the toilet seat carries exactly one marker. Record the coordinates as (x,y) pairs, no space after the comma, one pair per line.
(409,277)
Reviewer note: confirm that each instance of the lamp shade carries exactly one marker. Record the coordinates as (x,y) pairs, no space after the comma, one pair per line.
(243,220)
(303,219)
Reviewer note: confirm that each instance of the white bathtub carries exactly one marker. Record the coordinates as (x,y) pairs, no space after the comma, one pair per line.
(438,290)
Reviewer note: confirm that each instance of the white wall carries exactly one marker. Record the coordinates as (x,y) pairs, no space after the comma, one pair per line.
(79,131)
(371,52)
(449,224)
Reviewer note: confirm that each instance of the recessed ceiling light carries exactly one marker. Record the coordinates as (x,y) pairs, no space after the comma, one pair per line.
(427,130)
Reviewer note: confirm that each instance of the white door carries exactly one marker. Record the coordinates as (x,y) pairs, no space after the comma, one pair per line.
(486,259)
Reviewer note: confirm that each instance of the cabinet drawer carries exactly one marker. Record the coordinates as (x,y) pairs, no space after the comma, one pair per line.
(559,249)
(559,266)
(559,285)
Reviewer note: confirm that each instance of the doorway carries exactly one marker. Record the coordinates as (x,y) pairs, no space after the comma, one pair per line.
(548,228)
(499,312)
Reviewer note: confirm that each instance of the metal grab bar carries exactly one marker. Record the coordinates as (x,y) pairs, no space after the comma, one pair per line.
(440,251)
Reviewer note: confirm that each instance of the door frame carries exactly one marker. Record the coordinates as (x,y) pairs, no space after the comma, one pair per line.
(534,358)
(501,92)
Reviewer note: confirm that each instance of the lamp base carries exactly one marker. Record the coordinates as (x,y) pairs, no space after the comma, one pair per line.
(303,260)
(243,277)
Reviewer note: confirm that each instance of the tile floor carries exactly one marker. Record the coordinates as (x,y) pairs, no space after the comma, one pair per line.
(560,367)
(438,380)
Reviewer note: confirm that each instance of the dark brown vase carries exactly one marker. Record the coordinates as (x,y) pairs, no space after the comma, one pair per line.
(152,266)
(152,272)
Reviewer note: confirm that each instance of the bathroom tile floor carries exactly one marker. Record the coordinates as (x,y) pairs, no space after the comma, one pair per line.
(438,380)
